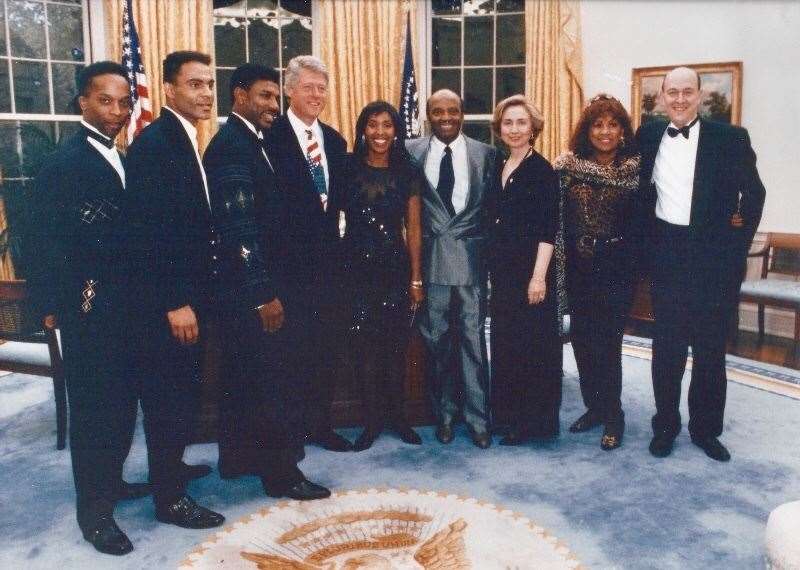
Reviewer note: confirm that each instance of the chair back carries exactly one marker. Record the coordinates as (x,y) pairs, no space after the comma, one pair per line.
(17,319)
(783,254)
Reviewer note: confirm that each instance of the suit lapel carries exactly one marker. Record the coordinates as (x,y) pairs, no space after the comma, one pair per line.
(99,162)
(422,159)
(702,172)
(180,138)
(474,162)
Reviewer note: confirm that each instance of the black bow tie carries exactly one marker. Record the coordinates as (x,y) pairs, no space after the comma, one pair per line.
(105,141)
(684,130)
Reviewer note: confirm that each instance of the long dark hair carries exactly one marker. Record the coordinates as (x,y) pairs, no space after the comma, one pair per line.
(398,155)
(600,105)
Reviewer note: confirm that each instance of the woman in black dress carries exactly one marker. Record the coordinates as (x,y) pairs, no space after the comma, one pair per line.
(598,177)
(525,342)
(384,239)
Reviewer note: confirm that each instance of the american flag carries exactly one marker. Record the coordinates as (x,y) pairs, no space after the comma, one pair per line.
(141,114)
(409,106)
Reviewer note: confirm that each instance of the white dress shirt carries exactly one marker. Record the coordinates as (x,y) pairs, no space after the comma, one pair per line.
(673,175)
(258,134)
(110,154)
(191,131)
(460,168)
(300,129)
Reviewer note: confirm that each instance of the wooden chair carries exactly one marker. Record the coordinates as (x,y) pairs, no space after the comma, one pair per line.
(779,255)
(30,348)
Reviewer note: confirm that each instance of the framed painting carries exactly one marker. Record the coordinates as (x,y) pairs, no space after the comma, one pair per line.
(721,84)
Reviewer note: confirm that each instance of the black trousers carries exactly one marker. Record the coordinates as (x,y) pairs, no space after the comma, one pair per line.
(103,399)
(526,356)
(599,290)
(168,375)
(259,400)
(690,310)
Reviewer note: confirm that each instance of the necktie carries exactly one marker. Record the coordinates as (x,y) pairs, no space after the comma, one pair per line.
(684,130)
(105,141)
(447,180)
(314,159)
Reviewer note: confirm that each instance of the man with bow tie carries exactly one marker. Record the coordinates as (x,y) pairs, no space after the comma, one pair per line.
(702,199)
(259,411)
(309,157)
(77,279)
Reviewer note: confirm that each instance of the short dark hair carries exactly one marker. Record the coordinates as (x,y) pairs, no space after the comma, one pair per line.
(85,77)
(248,73)
(398,155)
(428,100)
(171,66)
(598,106)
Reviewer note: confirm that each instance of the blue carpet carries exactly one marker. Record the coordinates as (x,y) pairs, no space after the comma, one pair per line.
(623,509)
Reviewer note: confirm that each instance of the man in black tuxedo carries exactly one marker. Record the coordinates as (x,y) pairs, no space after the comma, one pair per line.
(703,200)
(77,280)
(258,394)
(309,157)
(170,202)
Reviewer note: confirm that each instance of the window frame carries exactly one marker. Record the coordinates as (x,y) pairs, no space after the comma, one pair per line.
(315,51)
(425,21)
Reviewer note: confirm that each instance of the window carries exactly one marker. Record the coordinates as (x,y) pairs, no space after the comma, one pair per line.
(43,47)
(478,51)
(269,32)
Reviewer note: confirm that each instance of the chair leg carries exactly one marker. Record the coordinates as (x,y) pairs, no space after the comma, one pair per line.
(60,391)
(796,333)
(760,323)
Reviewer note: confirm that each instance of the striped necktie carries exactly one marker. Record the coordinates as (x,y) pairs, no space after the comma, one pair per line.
(314,159)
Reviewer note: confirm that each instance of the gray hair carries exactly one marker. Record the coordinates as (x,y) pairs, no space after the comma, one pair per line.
(300,62)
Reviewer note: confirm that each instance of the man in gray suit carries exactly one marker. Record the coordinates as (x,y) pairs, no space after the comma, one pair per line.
(459,171)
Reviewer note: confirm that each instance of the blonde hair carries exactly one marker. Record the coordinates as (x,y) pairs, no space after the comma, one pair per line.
(537,119)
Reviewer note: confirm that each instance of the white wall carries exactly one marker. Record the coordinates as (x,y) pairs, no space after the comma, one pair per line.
(763,35)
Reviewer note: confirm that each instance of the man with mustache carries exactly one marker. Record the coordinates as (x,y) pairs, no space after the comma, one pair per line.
(177,256)
(255,432)
(459,172)
(77,279)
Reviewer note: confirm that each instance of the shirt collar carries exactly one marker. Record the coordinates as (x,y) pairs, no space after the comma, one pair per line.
(299,126)
(438,145)
(93,129)
(190,129)
(249,125)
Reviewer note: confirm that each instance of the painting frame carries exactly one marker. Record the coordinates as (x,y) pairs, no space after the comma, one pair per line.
(645,81)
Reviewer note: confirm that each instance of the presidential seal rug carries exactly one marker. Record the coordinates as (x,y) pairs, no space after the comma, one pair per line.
(384,529)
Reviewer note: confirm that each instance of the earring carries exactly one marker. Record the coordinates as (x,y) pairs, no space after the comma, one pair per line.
(363,139)
(621,142)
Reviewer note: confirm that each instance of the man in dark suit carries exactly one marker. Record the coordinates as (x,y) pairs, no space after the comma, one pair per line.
(259,397)
(170,202)
(77,279)
(459,171)
(703,200)
(309,157)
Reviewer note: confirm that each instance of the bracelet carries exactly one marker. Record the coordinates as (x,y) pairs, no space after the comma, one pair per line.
(416,284)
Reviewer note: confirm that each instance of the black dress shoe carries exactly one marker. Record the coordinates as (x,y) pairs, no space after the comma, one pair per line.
(406,434)
(185,513)
(444,433)
(128,491)
(367,438)
(612,436)
(481,439)
(303,490)
(331,441)
(107,537)
(516,437)
(713,448)
(587,421)
(189,472)
(661,445)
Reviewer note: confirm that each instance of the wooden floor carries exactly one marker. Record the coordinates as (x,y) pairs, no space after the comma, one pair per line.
(773,350)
